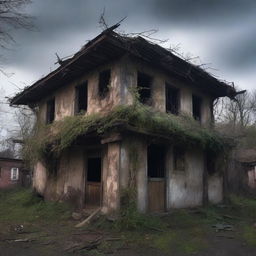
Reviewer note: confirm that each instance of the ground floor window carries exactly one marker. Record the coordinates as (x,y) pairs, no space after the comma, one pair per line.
(14,173)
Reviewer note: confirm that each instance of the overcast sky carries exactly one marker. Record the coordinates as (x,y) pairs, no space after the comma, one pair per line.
(220,32)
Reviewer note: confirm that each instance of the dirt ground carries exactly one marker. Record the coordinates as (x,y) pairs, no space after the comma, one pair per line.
(64,239)
(38,228)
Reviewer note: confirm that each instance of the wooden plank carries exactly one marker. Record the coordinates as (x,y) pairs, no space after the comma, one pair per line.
(156,195)
(93,193)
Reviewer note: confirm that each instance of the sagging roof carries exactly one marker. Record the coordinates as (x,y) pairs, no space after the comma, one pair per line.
(110,45)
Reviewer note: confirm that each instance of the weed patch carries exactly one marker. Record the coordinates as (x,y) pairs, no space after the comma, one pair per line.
(21,205)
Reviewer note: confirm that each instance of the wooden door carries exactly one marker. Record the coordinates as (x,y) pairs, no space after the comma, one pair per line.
(156,198)
(93,191)
(156,179)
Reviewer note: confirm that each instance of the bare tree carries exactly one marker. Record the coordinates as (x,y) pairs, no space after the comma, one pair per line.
(12,17)
(239,112)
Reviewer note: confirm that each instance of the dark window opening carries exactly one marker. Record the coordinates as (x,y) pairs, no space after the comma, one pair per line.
(156,161)
(50,111)
(94,170)
(144,82)
(81,98)
(179,159)
(210,164)
(0,172)
(104,82)
(196,103)
(172,99)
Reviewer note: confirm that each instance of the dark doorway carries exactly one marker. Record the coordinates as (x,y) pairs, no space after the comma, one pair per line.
(156,178)
(93,182)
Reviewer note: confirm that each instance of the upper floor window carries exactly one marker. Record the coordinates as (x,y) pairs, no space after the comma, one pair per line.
(104,82)
(50,111)
(14,173)
(172,97)
(196,106)
(81,99)
(144,83)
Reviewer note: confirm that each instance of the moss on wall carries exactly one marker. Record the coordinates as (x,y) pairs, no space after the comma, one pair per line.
(53,139)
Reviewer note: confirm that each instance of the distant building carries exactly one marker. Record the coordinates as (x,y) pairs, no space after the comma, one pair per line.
(247,159)
(12,173)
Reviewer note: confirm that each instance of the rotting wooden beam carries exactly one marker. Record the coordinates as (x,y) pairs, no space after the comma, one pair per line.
(89,219)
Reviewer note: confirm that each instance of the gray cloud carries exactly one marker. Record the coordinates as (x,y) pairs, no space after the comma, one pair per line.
(202,12)
(220,30)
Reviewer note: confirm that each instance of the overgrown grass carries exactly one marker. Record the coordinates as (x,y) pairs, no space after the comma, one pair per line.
(21,205)
(181,130)
(188,231)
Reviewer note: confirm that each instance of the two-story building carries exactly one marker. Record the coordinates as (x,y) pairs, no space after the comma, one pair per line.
(127,113)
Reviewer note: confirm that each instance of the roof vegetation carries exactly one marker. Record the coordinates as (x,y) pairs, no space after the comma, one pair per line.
(179,130)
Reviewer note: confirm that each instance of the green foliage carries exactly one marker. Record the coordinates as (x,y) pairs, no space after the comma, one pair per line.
(54,138)
(130,218)
(244,206)
(188,242)
(249,235)
(22,205)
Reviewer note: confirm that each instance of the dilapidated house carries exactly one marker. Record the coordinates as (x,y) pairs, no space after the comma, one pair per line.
(124,114)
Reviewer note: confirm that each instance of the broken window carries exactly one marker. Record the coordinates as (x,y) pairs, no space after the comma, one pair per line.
(156,161)
(172,99)
(50,111)
(179,159)
(144,83)
(14,173)
(104,82)
(81,98)
(94,170)
(196,105)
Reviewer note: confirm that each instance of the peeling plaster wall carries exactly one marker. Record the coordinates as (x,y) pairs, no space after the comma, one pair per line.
(215,189)
(129,68)
(136,146)
(65,96)
(68,184)
(186,188)
(123,77)
(111,195)
(39,178)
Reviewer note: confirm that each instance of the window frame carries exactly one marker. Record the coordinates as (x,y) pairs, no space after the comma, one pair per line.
(78,110)
(16,175)
(103,88)
(142,89)
(197,100)
(50,110)
(176,90)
